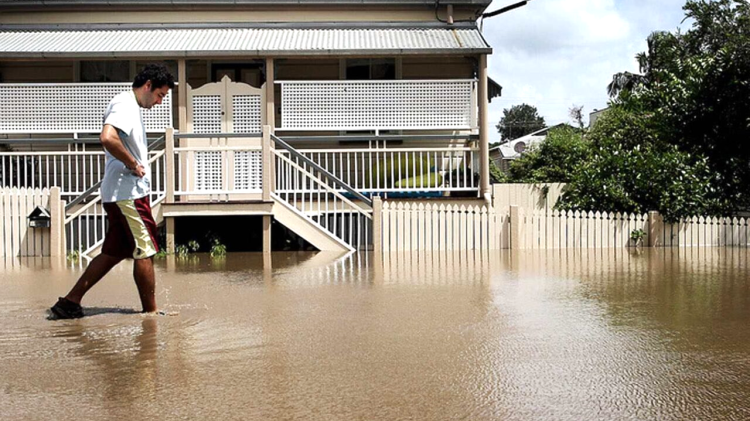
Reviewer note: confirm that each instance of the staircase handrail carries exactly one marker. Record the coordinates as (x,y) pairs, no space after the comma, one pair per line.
(327,175)
(327,188)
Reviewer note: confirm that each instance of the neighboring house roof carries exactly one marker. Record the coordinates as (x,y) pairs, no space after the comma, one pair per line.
(516,147)
(494,90)
(247,40)
(594,115)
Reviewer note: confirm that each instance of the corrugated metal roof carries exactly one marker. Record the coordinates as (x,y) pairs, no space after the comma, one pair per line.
(231,2)
(249,41)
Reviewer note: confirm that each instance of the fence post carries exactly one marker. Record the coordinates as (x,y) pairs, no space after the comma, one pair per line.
(377,221)
(655,229)
(516,216)
(57,223)
(169,163)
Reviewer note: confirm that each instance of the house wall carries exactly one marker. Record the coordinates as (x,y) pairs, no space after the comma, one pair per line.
(312,69)
(37,71)
(445,67)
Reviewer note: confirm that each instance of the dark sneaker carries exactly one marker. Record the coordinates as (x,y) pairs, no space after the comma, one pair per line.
(66,309)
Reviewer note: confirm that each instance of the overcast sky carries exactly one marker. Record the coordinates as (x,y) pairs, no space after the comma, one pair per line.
(556,53)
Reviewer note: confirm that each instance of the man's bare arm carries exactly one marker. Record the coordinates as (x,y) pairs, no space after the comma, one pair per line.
(113,144)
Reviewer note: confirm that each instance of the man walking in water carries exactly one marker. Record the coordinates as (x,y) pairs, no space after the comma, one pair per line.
(125,193)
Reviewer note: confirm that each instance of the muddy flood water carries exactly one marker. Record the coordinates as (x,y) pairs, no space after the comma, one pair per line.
(600,335)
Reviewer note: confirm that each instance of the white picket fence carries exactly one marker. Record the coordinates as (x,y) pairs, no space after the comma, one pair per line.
(702,231)
(17,238)
(407,226)
(575,230)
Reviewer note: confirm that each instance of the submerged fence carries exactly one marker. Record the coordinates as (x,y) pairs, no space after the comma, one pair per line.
(440,227)
(20,240)
(581,230)
(475,226)
(701,231)
(578,230)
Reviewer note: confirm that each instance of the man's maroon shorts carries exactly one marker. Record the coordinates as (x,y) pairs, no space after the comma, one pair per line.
(132,229)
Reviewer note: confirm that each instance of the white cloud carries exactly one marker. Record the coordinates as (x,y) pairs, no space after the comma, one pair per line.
(556,53)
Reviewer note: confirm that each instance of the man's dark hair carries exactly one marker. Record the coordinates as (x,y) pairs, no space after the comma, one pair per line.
(157,74)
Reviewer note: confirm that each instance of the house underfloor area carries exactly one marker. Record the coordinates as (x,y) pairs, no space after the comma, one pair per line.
(237,233)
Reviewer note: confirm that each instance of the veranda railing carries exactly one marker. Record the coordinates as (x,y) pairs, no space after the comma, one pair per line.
(68,107)
(75,170)
(313,192)
(384,165)
(378,104)
(215,167)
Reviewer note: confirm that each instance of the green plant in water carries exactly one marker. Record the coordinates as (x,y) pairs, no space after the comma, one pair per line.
(181,250)
(74,256)
(161,254)
(637,236)
(193,246)
(218,249)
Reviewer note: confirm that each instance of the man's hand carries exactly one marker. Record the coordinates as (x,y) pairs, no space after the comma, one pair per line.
(138,171)
(113,144)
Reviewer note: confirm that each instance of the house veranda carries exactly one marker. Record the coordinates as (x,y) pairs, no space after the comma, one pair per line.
(298,120)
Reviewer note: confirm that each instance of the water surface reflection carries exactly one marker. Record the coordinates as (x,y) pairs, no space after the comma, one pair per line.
(655,334)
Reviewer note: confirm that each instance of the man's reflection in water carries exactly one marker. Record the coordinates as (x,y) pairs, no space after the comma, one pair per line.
(125,360)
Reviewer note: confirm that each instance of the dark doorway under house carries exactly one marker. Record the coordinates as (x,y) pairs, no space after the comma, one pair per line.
(237,233)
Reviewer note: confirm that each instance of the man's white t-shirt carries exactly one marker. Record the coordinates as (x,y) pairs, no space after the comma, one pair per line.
(119,183)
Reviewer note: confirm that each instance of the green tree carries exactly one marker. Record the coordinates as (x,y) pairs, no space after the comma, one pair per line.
(621,166)
(676,137)
(695,89)
(628,168)
(519,120)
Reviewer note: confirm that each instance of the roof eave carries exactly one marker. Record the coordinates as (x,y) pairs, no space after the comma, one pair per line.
(61,5)
(241,53)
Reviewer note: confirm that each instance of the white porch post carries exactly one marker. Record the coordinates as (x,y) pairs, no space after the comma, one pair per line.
(270,85)
(182,95)
(268,160)
(270,116)
(484,136)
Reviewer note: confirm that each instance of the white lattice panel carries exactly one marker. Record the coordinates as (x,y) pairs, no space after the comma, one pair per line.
(401,104)
(208,171)
(68,107)
(207,114)
(246,113)
(248,170)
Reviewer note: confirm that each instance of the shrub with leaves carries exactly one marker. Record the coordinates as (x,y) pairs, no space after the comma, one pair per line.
(218,249)
(630,169)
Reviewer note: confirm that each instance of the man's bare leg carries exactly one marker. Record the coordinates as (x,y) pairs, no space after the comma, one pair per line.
(96,270)
(145,280)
